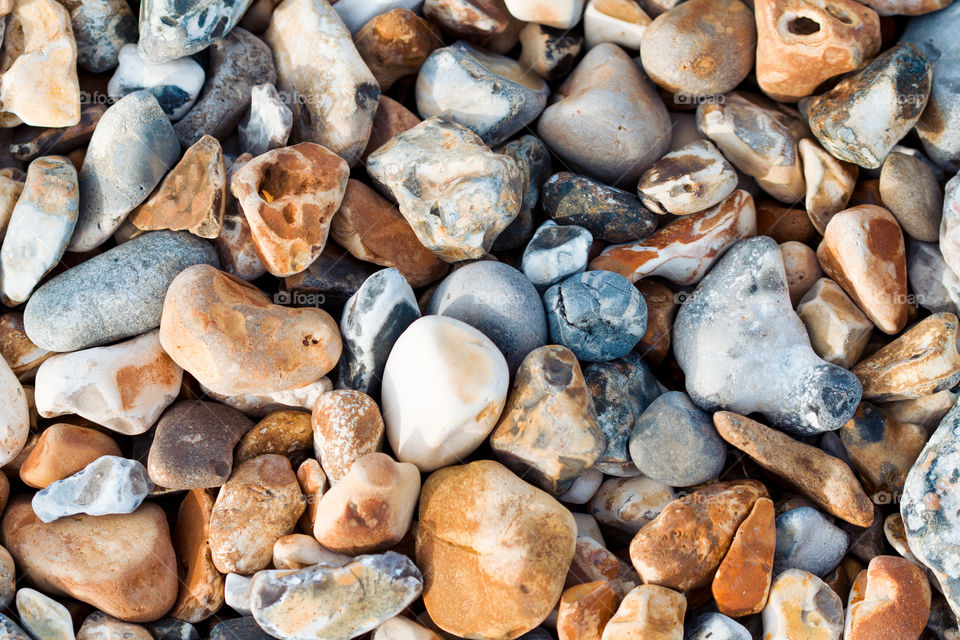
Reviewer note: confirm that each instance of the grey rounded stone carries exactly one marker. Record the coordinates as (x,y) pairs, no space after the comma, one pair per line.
(912,193)
(807,540)
(108,485)
(555,252)
(497,300)
(931,280)
(675,443)
(115,295)
(715,626)
(171,29)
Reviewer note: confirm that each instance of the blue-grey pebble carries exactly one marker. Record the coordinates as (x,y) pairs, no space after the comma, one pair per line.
(10,630)
(599,315)
(171,29)
(108,485)
(372,320)
(555,252)
(675,443)
(115,295)
(533,158)
(172,629)
(715,626)
(497,300)
(807,540)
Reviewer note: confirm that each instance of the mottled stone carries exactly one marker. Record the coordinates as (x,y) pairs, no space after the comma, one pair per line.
(742,582)
(170,629)
(11,630)
(801,268)
(662,306)
(830,183)
(549,52)
(268,123)
(649,611)
(175,83)
(585,609)
(395,44)
(783,224)
(592,561)
(801,605)
(688,180)
(484,22)
(357,13)
(43,617)
(806,540)
(891,600)
(101,29)
(533,159)
(21,355)
(555,252)
(285,432)
(837,329)
(630,503)
(238,254)
(61,451)
(910,190)
(621,22)
(390,119)
(108,485)
(881,449)
(171,30)
(201,585)
(608,213)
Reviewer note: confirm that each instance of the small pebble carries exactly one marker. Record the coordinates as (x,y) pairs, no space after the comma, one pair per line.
(61,451)
(630,503)
(175,83)
(555,252)
(838,330)
(621,22)
(891,600)
(102,29)
(830,183)
(533,159)
(806,540)
(932,281)
(268,123)
(801,605)
(881,449)
(43,617)
(688,180)
(911,191)
(285,432)
(585,610)
(649,611)
(742,582)
(100,626)
(201,585)
(801,268)
(258,404)
(396,44)
(715,626)
(549,52)
(171,30)
(560,14)
(608,213)
(108,485)
(15,415)
(356,13)
(592,561)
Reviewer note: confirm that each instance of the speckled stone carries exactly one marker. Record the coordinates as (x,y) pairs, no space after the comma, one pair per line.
(837,329)
(910,190)
(346,426)
(555,252)
(801,605)
(692,178)
(891,599)
(268,123)
(798,392)
(175,83)
(715,626)
(108,485)
(285,432)
(171,30)
(608,213)
(630,503)
(114,295)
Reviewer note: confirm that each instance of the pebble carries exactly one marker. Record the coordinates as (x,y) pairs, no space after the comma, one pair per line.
(8,581)
(484,22)
(238,62)
(926,412)
(492,95)
(245,628)
(100,626)
(10,629)
(742,582)
(62,140)
(258,404)
(800,45)
(131,149)
(61,451)
(236,590)
(267,124)
(688,180)
(608,213)
(592,561)
(43,617)
(400,628)
(606,120)
(285,432)
(650,612)
(675,443)
(801,605)
(830,183)
(313,484)
(483,530)
(585,609)
(533,159)
(560,14)
(40,227)
(293,346)
(783,224)
(922,361)
(911,192)
(390,119)
(372,321)
(169,629)
(801,268)
(260,503)
(715,626)
(683,250)
(838,330)
(548,432)
(934,284)
(298,551)
(192,197)
(661,310)
(683,546)
(193,445)
(39,84)
(175,83)
(950,224)
(201,586)
(549,52)
(122,564)
(867,113)
(621,22)
(101,30)
(124,387)
(630,503)
(891,600)
(758,138)
(780,375)
(498,301)
(344,602)
(357,13)
(444,386)
(555,252)
(881,449)
(806,540)
(238,256)
(108,485)
(335,274)
(598,315)
(171,30)
(22,356)
(700,47)
(317,60)
(826,480)
(11,186)
(15,415)
(396,44)
(440,166)
(370,508)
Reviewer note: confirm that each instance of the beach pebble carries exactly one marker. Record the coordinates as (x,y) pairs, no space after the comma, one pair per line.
(662,306)
(630,503)
(236,592)
(171,30)
(830,183)
(268,123)
(782,223)
(100,626)
(286,432)
(911,191)
(581,490)
(11,186)
(444,386)
(11,630)
(806,540)
(620,22)
(101,29)
(950,224)
(742,582)
(43,617)
(801,605)
(245,628)
(548,52)
(933,283)
(298,551)
(555,252)
(390,118)
(258,404)
(592,561)
(61,451)
(715,626)
(108,485)
(175,83)
(533,159)
(890,600)
(837,329)
(649,611)
(396,44)
(584,610)
(548,432)
(801,268)
(21,355)
(332,278)
(560,14)
(608,213)
(15,415)
(201,585)
(483,530)
(313,484)
(690,179)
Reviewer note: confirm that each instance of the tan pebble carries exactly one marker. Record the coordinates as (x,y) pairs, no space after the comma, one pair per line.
(100,626)
(585,610)
(801,267)
(802,606)
(62,450)
(630,503)
(661,310)
(312,483)
(285,432)
(838,329)
(201,585)
(395,44)
(881,449)
(347,425)
(16,348)
(400,628)
(299,550)
(649,612)
(390,119)
(830,183)
(783,224)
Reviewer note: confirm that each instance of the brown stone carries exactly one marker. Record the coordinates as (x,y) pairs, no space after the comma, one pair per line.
(922,361)
(482,530)
(479,21)
(881,449)
(61,451)
(312,482)
(347,425)
(191,197)
(826,480)
(228,335)
(830,183)
(11,186)
(837,328)
(370,509)
(801,268)
(57,140)
(395,44)
(201,585)
(372,229)
(585,610)
(122,564)
(926,412)
(661,309)
(260,503)
(683,546)
(911,192)
(742,582)
(863,251)
(783,224)
(889,601)
(649,612)
(390,119)
(288,196)
(866,192)
(285,432)
(592,562)
(4,490)
(17,349)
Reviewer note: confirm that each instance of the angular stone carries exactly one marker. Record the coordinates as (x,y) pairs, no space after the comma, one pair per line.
(801,268)
(630,503)
(483,530)
(837,328)
(606,120)
(650,612)
(862,117)
(171,30)
(683,250)
(455,193)
(692,178)
(121,564)
(548,52)
(881,449)
(284,432)
(891,600)
(288,347)
(124,387)
(288,197)
(258,404)
(911,191)
(621,22)
(742,582)
(346,427)
(100,626)
(390,119)
(268,123)
(608,213)
(175,83)
(555,252)
(193,445)
(43,617)
(807,540)
(192,197)
(317,61)
(395,44)
(108,485)
(830,183)
(260,503)
(201,585)
(801,605)
(800,393)
(585,610)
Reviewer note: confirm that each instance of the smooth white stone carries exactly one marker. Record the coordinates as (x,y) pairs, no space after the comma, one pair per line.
(236,592)
(588,527)
(43,617)
(268,123)
(583,488)
(161,79)
(561,14)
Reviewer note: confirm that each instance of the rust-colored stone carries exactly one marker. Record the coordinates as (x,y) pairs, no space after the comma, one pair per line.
(285,432)
(888,601)
(783,224)
(742,582)
(201,585)
(390,119)
(63,450)
(661,309)
(585,610)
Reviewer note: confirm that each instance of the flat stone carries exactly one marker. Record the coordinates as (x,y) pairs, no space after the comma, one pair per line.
(798,392)
(549,52)
(801,605)
(649,611)
(682,251)
(201,585)
(344,602)
(630,503)
(289,347)
(108,485)
(43,617)
(171,30)
(258,404)
(390,119)
(692,178)
(175,83)
(715,626)
(555,252)
(122,564)
(440,167)
(193,445)
(881,449)
(268,123)
(801,268)
(346,426)
(585,610)
(933,283)
(61,451)
(806,540)
(608,213)
(285,432)
(837,329)
(260,503)
(911,191)
(621,22)
(606,120)
(830,183)
(100,626)
(890,600)
(513,542)
(742,582)
(395,44)
(124,387)
(317,61)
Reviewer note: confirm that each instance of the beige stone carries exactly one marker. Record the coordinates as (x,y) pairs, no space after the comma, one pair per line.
(801,268)
(830,183)
(347,426)
(649,612)
(585,610)
(837,328)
